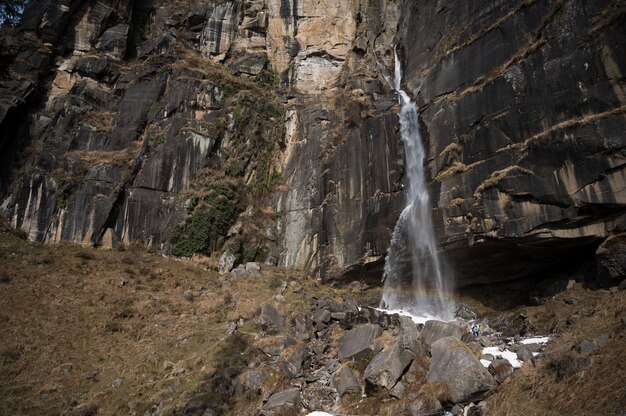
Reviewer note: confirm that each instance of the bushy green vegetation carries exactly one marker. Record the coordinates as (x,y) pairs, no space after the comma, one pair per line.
(205,229)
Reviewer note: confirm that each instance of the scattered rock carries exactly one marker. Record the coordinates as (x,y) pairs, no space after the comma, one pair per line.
(524,354)
(465,312)
(292,364)
(283,399)
(387,366)
(587,347)
(345,381)
(408,327)
(454,364)
(358,340)
(435,330)
(188,295)
(500,370)
(253,268)
(424,405)
(321,316)
(239,273)
(117,382)
(273,346)
(226,262)
(398,390)
(567,364)
(253,379)
(270,319)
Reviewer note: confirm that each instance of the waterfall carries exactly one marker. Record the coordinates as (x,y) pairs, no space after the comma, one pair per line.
(426,294)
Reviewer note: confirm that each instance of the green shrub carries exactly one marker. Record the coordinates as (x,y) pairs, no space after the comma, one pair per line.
(205,230)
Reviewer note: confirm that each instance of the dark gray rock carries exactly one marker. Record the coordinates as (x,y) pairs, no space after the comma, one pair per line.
(114,41)
(398,391)
(500,370)
(388,365)
(611,260)
(408,327)
(524,354)
(567,364)
(435,330)
(322,316)
(423,406)
(454,364)
(253,379)
(292,363)
(239,273)
(345,381)
(253,268)
(501,183)
(283,400)
(587,347)
(270,319)
(358,340)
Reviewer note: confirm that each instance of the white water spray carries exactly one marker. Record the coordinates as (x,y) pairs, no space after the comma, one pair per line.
(426,294)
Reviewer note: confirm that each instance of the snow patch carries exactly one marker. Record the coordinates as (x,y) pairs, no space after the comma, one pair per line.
(485,363)
(416,319)
(536,340)
(510,356)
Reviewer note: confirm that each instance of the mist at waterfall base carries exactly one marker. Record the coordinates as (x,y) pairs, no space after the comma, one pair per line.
(425,293)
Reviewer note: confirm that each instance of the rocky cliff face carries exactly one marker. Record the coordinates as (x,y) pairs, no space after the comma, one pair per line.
(153,121)
(523,107)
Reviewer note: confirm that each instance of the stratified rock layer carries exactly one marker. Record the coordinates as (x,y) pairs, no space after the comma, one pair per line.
(523,105)
(121,120)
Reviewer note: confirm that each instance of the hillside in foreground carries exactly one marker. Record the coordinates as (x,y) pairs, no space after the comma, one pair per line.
(106,332)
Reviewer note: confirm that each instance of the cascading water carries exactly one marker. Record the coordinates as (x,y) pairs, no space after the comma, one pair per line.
(426,295)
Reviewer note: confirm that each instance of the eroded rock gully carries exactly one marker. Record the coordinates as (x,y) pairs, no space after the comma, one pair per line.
(121,120)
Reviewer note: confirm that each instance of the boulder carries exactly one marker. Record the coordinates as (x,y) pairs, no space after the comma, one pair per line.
(435,330)
(398,391)
(454,364)
(408,327)
(500,370)
(253,379)
(273,346)
(358,340)
(566,364)
(524,354)
(239,273)
(253,268)
(345,381)
(423,405)
(388,366)
(283,400)
(322,316)
(587,347)
(270,319)
(292,363)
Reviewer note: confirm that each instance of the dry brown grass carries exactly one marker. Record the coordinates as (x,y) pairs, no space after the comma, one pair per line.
(600,390)
(575,315)
(69,328)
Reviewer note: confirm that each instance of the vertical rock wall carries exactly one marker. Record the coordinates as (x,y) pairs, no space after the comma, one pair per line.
(523,105)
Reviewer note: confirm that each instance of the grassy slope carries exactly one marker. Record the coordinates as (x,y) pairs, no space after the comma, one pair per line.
(69,329)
